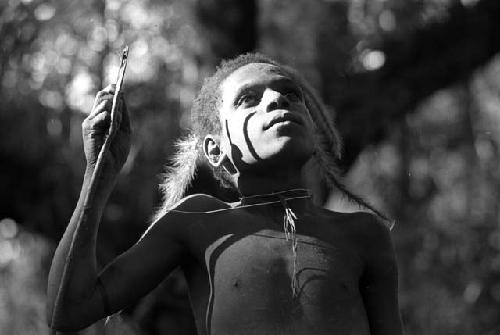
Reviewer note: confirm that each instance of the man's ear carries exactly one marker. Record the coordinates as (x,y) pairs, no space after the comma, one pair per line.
(212,150)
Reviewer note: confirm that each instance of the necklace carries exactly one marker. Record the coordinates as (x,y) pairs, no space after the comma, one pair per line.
(289,227)
(289,218)
(304,194)
(290,192)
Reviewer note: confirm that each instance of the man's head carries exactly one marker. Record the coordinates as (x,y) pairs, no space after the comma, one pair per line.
(253,113)
(264,122)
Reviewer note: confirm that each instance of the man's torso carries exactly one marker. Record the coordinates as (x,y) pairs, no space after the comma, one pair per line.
(241,269)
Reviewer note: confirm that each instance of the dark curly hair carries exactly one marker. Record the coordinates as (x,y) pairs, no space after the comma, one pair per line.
(205,120)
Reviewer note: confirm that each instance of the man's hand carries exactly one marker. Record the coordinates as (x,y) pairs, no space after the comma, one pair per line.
(95,128)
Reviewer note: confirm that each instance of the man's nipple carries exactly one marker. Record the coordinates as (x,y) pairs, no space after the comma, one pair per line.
(237,283)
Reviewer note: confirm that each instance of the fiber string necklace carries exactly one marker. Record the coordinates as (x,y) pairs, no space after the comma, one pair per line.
(299,193)
(289,223)
(289,219)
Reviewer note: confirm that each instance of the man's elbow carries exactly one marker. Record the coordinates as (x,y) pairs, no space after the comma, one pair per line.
(68,319)
(64,327)
(67,325)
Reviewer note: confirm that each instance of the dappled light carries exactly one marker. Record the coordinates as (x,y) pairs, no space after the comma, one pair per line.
(372,59)
(414,88)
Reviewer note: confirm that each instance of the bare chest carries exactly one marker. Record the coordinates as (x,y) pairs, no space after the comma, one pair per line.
(267,257)
(257,279)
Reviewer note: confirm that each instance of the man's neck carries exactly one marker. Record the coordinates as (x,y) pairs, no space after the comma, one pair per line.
(260,184)
(277,199)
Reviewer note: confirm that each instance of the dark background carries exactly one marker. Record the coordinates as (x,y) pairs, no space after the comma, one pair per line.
(414,87)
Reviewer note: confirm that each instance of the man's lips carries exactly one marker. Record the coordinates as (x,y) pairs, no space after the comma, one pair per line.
(282,117)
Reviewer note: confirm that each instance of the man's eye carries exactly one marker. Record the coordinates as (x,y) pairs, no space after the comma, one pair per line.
(247,99)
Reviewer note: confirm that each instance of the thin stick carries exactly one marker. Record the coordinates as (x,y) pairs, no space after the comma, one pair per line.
(93,184)
(118,88)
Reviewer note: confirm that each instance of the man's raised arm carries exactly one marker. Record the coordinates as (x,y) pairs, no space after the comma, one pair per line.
(77,294)
(82,275)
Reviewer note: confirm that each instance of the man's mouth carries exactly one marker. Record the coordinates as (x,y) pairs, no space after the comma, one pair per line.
(284,117)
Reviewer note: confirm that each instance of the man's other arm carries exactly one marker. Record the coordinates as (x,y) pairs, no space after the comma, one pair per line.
(379,282)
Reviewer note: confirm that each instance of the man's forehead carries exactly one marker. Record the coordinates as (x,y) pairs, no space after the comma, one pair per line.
(252,72)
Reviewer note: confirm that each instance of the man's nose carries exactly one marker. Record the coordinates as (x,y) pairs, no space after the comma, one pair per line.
(274,100)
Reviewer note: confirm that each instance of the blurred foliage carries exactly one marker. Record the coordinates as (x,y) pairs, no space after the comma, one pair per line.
(414,87)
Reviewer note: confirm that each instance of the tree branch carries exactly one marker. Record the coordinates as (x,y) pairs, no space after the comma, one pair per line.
(417,65)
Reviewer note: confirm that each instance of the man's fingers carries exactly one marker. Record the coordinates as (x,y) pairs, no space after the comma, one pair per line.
(101,121)
(101,110)
(110,88)
(105,93)
(102,101)
(102,97)
(102,107)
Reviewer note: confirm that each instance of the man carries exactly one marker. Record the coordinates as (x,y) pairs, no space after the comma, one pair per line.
(272,263)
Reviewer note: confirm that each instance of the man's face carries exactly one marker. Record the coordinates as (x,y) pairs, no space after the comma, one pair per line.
(264,118)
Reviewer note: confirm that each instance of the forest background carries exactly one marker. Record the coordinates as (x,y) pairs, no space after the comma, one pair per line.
(414,87)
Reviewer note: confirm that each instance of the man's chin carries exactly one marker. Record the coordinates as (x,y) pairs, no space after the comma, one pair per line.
(288,155)
(290,147)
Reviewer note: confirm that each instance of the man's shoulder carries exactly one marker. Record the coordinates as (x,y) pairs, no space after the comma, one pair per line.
(199,203)
(368,223)
(365,227)
(189,209)
(372,233)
